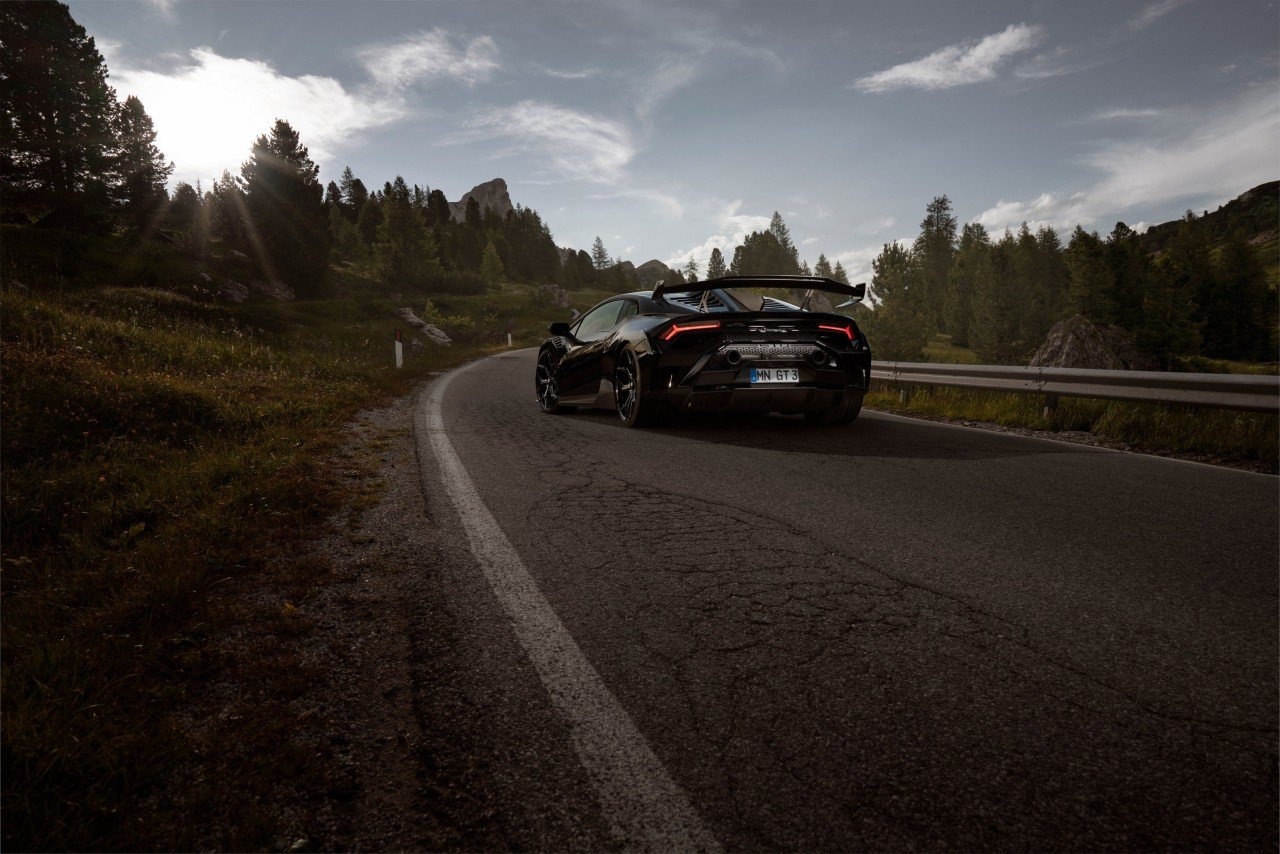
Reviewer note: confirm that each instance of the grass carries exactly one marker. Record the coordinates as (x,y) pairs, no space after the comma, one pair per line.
(941,351)
(160,447)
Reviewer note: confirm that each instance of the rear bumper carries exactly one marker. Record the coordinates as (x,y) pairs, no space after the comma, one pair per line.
(747,399)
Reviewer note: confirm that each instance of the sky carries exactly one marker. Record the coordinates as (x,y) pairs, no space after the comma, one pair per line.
(670,128)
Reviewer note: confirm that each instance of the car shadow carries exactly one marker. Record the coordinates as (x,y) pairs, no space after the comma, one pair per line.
(872,435)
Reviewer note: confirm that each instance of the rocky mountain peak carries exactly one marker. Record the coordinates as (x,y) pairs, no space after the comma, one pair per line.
(491,194)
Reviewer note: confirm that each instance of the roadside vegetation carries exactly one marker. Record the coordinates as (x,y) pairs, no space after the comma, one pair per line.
(159,448)
(1211,434)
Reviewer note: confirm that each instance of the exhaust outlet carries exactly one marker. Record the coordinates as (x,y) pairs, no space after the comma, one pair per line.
(818,357)
(732,357)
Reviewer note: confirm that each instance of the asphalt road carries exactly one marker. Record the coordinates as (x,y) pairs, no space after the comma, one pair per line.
(895,635)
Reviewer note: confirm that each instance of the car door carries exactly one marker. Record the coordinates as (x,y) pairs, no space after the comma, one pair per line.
(580,368)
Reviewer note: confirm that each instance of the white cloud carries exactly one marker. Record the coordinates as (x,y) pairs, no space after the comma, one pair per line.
(808,241)
(429,55)
(669,77)
(732,228)
(1125,113)
(1153,12)
(577,146)
(208,112)
(958,64)
(1058,62)
(571,75)
(165,7)
(875,225)
(1220,156)
(659,199)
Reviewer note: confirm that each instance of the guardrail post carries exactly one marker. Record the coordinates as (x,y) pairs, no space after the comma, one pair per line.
(1050,404)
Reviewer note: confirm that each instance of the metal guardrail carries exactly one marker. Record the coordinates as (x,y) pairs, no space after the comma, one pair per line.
(1250,393)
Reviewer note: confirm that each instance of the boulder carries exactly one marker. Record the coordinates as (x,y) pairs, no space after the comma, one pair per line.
(1078,343)
(434,334)
(553,294)
(275,289)
(233,291)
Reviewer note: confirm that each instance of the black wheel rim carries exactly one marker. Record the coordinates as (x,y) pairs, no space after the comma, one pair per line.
(546,381)
(625,387)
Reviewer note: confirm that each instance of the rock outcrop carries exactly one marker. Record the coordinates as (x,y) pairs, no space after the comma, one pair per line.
(553,294)
(491,194)
(1078,343)
(434,334)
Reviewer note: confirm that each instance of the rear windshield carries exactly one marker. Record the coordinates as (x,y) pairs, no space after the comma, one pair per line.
(720,300)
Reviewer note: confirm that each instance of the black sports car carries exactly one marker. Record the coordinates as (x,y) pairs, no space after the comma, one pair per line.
(712,346)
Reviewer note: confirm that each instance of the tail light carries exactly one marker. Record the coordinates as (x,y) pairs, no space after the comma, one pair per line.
(677,328)
(847,330)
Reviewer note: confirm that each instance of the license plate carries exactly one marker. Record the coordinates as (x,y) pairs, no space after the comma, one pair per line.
(775,375)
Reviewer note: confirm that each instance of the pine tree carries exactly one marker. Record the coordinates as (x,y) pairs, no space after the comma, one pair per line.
(491,265)
(140,169)
(839,274)
(405,251)
(1169,328)
(332,197)
(56,137)
(438,214)
(1130,268)
(287,226)
(1242,277)
(1053,299)
(352,192)
(471,213)
(963,280)
(715,266)
(184,208)
(993,330)
(804,269)
(822,267)
(935,251)
(1191,263)
(762,255)
(599,256)
(226,214)
(898,328)
(369,220)
(690,270)
(789,261)
(1092,285)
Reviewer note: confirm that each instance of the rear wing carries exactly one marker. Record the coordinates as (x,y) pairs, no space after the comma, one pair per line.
(856,293)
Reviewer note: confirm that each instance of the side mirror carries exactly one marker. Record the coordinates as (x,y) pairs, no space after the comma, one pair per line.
(559,329)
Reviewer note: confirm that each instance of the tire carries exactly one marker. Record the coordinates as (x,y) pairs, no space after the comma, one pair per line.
(631,400)
(843,412)
(544,382)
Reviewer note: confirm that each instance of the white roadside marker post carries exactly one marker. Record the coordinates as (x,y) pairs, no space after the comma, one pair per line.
(508,340)
(399,351)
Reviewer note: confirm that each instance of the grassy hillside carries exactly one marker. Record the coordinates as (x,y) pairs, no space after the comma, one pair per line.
(157,444)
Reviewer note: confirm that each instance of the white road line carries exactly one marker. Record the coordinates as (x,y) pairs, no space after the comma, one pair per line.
(643,805)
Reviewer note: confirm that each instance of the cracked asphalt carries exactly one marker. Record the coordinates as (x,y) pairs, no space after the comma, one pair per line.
(896,635)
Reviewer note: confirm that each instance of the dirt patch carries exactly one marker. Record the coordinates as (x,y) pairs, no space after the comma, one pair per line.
(331,716)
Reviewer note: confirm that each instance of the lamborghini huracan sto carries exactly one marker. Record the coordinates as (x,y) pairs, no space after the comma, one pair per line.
(723,345)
